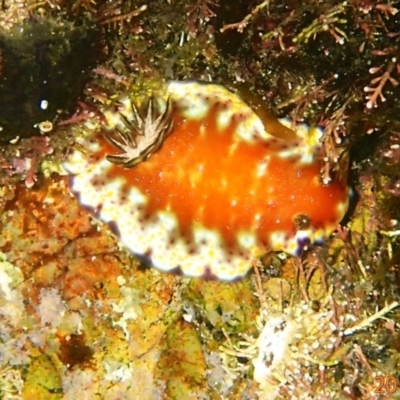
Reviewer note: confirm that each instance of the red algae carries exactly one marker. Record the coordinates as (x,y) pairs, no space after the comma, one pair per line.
(338,301)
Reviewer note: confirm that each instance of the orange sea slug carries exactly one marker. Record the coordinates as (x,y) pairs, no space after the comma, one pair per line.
(193,181)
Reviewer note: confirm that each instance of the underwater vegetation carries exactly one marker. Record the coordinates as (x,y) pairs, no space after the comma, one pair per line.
(249,151)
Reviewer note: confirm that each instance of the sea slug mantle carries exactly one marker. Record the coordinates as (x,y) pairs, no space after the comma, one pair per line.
(191,180)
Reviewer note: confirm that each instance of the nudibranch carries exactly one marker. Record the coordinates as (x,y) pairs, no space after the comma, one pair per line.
(198,183)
